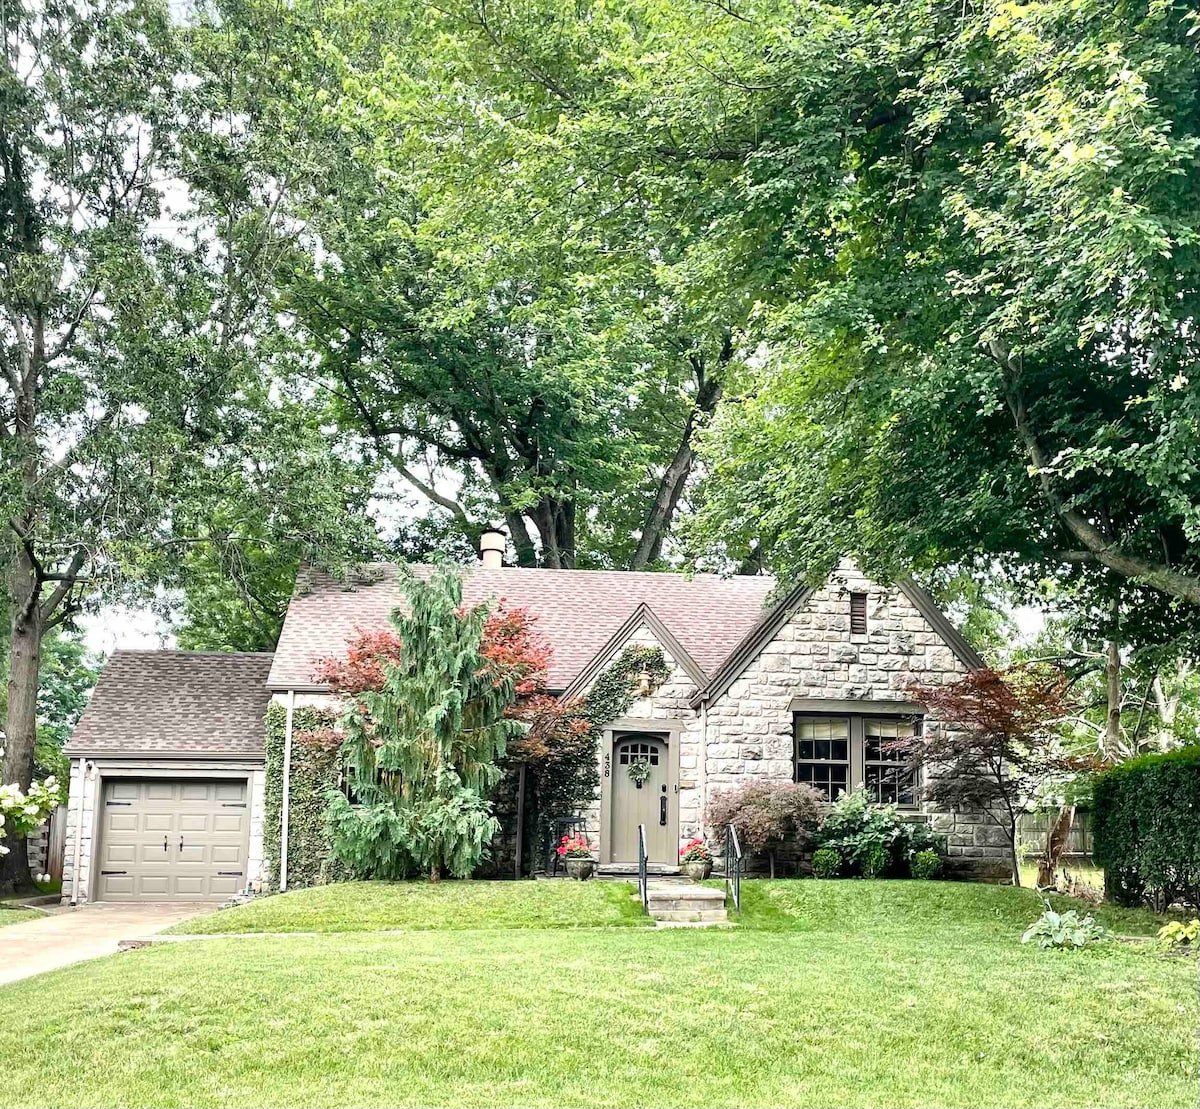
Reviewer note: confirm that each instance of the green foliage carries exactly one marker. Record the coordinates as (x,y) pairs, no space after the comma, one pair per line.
(1176,935)
(421,753)
(874,840)
(613,691)
(1146,824)
(826,863)
(926,865)
(767,815)
(315,770)
(1064,930)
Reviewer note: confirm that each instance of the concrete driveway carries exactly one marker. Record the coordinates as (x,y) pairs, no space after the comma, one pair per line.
(68,936)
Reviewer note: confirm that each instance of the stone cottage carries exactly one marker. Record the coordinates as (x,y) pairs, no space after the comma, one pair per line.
(166,797)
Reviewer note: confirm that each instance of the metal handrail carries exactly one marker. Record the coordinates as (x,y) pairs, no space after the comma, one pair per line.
(643,891)
(733,867)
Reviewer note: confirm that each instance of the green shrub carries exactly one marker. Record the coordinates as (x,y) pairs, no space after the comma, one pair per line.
(874,840)
(1147,829)
(926,865)
(875,861)
(826,863)
(1069,930)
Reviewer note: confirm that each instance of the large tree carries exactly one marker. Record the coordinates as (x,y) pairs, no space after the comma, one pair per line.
(135,397)
(514,350)
(980,334)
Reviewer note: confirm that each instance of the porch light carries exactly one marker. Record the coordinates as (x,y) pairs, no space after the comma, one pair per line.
(644,684)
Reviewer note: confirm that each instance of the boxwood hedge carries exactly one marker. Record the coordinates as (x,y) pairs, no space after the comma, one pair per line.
(1147,829)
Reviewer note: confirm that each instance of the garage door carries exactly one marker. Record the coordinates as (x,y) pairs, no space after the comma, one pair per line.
(172,839)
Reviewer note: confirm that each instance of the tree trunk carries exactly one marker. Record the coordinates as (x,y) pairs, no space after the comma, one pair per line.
(671,486)
(435,873)
(25,654)
(1112,729)
(771,862)
(1056,844)
(1014,861)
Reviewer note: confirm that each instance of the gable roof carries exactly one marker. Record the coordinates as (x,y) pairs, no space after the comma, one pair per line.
(643,616)
(176,703)
(578,612)
(774,618)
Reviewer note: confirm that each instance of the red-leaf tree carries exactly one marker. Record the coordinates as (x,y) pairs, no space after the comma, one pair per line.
(994,745)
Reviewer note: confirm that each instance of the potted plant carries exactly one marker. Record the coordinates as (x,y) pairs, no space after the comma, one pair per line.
(576,853)
(696,859)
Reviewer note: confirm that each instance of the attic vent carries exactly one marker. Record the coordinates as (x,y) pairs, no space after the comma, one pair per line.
(858,614)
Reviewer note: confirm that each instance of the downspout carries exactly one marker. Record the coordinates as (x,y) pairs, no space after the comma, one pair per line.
(78,833)
(287,790)
(703,764)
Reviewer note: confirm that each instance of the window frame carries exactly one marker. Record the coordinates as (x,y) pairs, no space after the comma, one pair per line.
(848,762)
(857,749)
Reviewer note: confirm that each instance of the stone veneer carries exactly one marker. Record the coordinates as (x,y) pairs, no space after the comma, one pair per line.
(747,732)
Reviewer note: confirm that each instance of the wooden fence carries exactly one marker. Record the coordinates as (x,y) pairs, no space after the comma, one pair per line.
(1033,828)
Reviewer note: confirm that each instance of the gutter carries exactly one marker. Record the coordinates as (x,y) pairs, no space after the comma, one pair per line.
(287,791)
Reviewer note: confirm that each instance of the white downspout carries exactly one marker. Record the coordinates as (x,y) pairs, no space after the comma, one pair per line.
(78,832)
(703,764)
(287,790)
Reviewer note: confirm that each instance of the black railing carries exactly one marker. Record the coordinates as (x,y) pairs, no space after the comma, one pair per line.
(643,893)
(733,867)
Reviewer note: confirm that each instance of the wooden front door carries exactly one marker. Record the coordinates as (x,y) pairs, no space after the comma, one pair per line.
(636,802)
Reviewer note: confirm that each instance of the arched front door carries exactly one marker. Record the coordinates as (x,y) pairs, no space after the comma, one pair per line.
(640,795)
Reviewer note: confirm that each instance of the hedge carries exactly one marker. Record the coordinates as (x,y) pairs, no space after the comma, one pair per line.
(314,770)
(1147,829)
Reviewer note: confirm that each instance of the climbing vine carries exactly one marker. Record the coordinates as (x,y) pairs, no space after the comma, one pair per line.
(613,692)
(314,770)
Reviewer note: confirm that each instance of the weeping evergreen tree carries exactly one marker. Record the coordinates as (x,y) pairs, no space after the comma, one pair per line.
(421,752)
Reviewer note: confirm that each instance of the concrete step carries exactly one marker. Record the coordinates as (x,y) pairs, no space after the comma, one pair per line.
(691,916)
(625,871)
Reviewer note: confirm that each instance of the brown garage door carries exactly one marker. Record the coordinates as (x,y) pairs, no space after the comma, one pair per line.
(172,839)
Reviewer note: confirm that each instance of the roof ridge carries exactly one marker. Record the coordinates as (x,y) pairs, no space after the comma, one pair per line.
(185,653)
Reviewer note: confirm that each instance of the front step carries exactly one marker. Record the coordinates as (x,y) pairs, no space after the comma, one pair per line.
(677,902)
(625,871)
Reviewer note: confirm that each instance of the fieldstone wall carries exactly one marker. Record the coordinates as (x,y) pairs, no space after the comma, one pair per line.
(748,732)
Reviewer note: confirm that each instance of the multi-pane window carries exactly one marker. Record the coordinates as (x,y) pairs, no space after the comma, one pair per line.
(637,752)
(823,755)
(837,753)
(886,775)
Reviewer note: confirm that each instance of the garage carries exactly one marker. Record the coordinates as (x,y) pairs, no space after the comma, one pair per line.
(182,839)
(168,782)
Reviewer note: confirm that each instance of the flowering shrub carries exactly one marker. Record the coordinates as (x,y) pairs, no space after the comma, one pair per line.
(874,839)
(574,847)
(695,851)
(23,812)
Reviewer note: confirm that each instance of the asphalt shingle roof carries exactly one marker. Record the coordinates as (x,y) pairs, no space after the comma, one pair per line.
(577,611)
(173,702)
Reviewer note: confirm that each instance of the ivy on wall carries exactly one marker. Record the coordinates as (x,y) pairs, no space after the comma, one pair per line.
(613,692)
(314,770)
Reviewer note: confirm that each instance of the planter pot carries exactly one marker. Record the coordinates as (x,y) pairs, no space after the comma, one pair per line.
(580,869)
(697,872)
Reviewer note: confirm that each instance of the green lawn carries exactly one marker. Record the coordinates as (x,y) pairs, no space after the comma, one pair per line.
(828,993)
(379,906)
(11,915)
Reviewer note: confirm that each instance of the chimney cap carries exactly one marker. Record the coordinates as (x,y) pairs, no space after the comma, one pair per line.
(492,544)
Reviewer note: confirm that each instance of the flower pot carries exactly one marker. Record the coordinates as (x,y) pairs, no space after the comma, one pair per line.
(580,869)
(698,871)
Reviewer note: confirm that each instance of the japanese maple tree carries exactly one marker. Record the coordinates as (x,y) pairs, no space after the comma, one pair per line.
(994,745)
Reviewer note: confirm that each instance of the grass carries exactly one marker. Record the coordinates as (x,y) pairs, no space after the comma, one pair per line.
(382,906)
(10,914)
(829,993)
